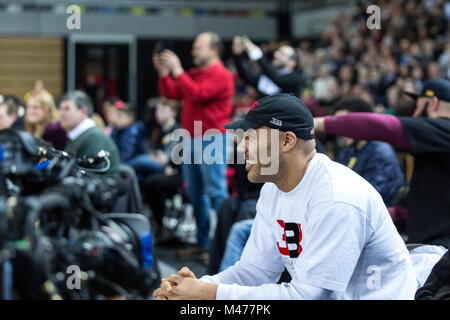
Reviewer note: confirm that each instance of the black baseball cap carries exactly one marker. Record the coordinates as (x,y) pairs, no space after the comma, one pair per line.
(439,88)
(282,111)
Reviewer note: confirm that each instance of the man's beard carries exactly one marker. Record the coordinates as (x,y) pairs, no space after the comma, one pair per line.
(258,177)
(279,64)
(201,62)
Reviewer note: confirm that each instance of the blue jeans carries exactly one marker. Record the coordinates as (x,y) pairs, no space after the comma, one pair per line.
(206,183)
(144,166)
(237,238)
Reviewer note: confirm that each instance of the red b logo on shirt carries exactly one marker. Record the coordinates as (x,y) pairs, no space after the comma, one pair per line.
(292,236)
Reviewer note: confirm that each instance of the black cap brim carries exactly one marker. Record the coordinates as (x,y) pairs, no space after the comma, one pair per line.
(412,95)
(243,124)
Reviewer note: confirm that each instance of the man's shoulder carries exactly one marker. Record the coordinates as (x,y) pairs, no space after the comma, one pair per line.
(92,131)
(267,192)
(427,135)
(379,149)
(224,73)
(418,123)
(334,182)
(94,137)
(136,128)
(220,68)
(267,189)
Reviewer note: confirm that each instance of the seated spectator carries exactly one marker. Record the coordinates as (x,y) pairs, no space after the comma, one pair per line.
(437,285)
(235,218)
(433,70)
(375,161)
(109,113)
(156,162)
(41,118)
(99,122)
(322,84)
(388,79)
(128,134)
(160,185)
(156,189)
(9,114)
(319,220)
(86,139)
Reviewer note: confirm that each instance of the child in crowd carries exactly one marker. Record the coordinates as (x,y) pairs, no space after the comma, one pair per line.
(127,132)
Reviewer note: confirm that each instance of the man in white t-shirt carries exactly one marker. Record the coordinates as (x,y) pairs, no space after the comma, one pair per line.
(318,219)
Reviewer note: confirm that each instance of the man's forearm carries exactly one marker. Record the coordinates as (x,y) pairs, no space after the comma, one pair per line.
(168,88)
(369,126)
(245,73)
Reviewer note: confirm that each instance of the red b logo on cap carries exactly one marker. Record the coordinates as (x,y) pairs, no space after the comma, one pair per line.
(254,105)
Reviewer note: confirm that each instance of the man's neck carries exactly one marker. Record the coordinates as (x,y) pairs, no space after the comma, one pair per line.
(210,63)
(293,173)
(440,114)
(84,125)
(125,125)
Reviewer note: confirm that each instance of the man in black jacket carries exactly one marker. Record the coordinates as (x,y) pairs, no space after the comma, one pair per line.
(437,286)
(277,76)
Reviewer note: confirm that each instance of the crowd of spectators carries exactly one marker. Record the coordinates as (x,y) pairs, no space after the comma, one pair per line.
(348,61)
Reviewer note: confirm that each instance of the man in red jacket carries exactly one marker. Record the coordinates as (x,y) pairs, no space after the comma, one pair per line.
(206,92)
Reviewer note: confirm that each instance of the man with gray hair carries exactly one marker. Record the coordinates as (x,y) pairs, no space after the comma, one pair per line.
(85,138)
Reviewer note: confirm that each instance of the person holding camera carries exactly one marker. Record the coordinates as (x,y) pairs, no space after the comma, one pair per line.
(278,75)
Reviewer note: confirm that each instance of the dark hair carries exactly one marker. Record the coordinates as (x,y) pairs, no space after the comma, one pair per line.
(353,104)
(294,56)
(126,108)
(12,104)
(111,100)
(174,105)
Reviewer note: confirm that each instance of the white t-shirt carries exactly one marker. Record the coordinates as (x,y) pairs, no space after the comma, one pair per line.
(334,235)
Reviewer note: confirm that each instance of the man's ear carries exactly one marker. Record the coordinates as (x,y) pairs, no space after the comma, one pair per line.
(434,104)
(289,141)
(85,111)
